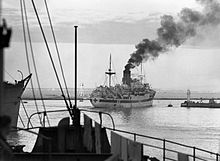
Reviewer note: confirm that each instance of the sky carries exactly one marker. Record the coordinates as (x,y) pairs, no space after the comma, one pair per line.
(100,21)
(112,26)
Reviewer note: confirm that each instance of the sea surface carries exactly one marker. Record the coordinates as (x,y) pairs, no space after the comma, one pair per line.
(198,127)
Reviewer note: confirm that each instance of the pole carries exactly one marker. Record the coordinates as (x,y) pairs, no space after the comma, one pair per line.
(1,78)
(194,153)
(164,150)
(75,67)
(110,69)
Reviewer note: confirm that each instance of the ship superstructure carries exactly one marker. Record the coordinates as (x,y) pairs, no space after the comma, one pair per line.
(131,93)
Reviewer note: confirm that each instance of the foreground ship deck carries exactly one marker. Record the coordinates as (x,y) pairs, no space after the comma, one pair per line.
(90,140)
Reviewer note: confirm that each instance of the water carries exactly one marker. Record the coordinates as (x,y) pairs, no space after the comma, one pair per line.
(196,126)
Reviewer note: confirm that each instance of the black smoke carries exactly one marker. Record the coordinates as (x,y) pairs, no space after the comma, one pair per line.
(174,32)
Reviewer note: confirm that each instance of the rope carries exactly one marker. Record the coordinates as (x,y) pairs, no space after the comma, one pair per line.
(50,55)
(33,60)
(58,53)
(27,57)
(22,122)
(25,111)
(10,75)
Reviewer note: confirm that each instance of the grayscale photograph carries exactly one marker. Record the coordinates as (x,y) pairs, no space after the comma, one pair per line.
(109,80)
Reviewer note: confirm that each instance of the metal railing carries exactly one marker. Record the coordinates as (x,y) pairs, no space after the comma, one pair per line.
(165,142)
(65,110)
(165,149)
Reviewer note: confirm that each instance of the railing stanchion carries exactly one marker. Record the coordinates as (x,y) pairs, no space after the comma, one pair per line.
(100,118)
(194,153)
(216,156)
(135,137)
(164,149)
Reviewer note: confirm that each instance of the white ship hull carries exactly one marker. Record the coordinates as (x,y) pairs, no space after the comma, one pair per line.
(12,94)
(12,97)
(120,103)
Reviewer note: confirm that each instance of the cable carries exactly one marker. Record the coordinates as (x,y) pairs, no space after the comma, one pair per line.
(33,60)
(50,55)
(10,75)
(22,122)
(27,57)
(58,53)
(25,111)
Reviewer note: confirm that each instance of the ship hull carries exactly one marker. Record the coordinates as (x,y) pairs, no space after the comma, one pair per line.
(120,103)
(201,105)
(12,97)
(11,104)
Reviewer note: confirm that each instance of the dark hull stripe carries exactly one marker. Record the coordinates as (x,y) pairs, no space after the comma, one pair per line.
(201,105)
(122,101)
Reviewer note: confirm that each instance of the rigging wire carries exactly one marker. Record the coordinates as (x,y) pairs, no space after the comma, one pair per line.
(51,58)
(33,59)
(115,76)
(10,75)
(58,53)
(22,122)
(27,58)
(25,111)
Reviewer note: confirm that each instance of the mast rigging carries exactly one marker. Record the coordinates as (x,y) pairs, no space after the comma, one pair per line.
(110,72)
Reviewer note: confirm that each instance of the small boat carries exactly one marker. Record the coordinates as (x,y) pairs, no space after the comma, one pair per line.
(170,105)
(210,104)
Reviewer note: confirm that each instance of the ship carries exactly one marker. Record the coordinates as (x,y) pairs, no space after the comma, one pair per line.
(77,138)
(11,98)
(131,93)
(200,104)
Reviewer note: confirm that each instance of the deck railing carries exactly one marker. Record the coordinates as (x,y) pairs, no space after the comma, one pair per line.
(164,149)
(194,155)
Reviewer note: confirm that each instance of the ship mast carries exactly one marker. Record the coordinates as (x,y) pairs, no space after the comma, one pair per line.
(110,72)
(142,75)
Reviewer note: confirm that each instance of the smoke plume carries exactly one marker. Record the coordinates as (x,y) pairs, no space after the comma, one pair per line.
(174,32)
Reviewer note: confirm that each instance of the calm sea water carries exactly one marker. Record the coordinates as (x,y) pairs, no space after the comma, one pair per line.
(193,126)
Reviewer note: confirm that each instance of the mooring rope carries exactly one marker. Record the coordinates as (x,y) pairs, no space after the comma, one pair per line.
(27,58)
(33,60)
(58,53)
(25,111)
(51,58)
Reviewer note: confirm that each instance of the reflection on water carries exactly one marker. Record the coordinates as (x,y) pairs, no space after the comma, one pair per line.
(194,126)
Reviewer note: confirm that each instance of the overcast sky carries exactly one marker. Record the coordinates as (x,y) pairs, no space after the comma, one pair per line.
(100,21)
(112,26)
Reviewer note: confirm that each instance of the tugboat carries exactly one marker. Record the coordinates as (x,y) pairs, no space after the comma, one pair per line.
(211,104)
(132,93)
